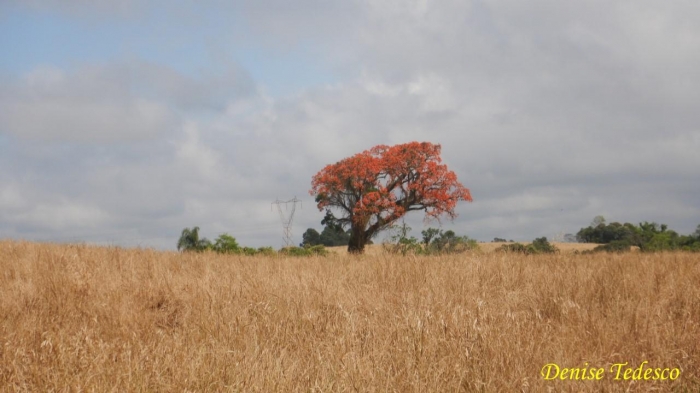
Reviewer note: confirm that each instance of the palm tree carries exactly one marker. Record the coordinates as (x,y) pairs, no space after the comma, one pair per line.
(190,241)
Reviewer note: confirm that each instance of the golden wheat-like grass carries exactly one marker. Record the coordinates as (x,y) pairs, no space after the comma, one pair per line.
(82,318)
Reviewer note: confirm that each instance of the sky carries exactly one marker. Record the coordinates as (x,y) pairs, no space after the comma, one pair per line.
(123,122)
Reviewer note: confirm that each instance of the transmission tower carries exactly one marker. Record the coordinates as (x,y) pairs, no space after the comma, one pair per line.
(287,221)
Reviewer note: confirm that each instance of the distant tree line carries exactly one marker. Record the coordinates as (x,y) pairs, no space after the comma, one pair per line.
(190,241)
(648,236)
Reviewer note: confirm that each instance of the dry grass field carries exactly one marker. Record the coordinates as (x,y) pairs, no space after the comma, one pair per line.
(79,318)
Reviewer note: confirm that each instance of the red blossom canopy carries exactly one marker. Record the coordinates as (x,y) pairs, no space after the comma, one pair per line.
(375,188)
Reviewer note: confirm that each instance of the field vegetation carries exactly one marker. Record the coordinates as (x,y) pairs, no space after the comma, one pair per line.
(84,318)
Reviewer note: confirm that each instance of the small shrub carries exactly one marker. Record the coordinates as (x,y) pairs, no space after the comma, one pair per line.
(318,250)
(542,246)
(514,248)
(538,246)
(400,243)
(404,246)
(614,246)
(250,251)
(267,251)
(304,251)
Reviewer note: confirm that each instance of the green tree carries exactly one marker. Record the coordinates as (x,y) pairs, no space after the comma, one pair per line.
(542,245)
(598,220)
(310,238)
(604,234)
(429,234)
(190,241)
(333,233)
(448,242)
(331,236)
(663,241)
(226,244)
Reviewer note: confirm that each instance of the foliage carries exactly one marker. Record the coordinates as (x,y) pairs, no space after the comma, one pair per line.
(614,246)
(542,246)
(263,251)
(190,241)
(538,246)
(401,243)
(304,251)
(375,188)
(648,236)
(310,238)
(570,238)
(250,251)
(429,234)
(226,244)
(514,248)
(266,251)
(598,220)
(435,241)
(449,243)
(695,247)
(332,235)
(603,233)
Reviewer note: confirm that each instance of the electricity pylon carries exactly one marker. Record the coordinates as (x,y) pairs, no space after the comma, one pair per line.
(287,222)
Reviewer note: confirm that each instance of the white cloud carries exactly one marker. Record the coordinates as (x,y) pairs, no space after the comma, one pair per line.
(11,198)
(50,105)
(194,154)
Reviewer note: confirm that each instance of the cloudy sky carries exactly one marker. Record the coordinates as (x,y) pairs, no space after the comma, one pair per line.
(123,121)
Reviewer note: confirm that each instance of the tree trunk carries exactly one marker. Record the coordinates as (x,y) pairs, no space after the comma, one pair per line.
(358,239)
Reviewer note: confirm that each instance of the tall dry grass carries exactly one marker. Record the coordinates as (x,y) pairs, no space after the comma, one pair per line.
(80,318)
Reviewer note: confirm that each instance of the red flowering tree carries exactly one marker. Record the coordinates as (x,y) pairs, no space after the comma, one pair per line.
(375,188)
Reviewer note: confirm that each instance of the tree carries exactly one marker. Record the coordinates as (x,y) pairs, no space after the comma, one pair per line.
(598,220)
(542,245)
(310,238)
(375,188)
(332,235)
(448,242)
(570,238)
(190,241)
(226,244)
(429,234)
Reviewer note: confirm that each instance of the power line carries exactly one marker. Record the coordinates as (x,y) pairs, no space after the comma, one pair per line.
(287,221)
